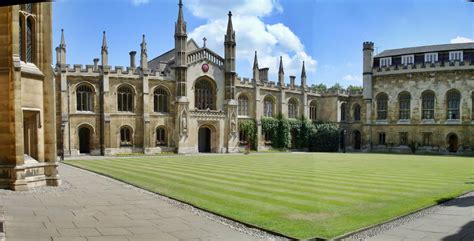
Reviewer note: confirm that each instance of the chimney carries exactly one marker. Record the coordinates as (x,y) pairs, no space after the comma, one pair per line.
(264,74)
(96,63)
(132,59)
(292,81)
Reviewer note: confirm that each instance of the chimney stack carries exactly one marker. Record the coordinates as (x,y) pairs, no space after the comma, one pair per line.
(96,63)
(132,59)
(292,81)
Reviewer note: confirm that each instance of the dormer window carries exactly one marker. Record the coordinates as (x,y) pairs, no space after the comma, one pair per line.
(431,57)
(456,56)
(408,59)
(385,62)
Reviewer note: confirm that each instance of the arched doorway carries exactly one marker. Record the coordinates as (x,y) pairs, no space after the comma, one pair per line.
(84,140)
(357,140)
(453,143)
(204,140)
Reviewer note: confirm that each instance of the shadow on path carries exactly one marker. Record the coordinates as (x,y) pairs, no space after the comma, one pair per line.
(465,233)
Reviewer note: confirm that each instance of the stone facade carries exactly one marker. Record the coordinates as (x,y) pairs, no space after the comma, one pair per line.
(28,126)
(190,100)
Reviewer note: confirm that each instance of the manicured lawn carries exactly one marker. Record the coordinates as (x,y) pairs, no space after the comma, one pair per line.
(299,195)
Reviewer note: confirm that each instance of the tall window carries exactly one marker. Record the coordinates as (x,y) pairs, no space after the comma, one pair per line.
(427,104)
(27,33)
(125,136)
(292,108)
(382,140)
(456,56)
(268,106)
(204,95)
(343,112)
(356,112)
(404,105)
(243,105)
(125,99)
(161,136)
(454,101)
(84,98)
(313,110)
(385,62)
(431,57)
(160,100)
(382,104)
(408,59)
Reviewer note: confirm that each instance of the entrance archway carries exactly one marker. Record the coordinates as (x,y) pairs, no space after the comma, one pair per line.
(84,140)
(204,140)
(357,140)
(453,143)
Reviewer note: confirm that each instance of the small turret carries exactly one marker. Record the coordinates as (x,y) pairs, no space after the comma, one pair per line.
(281,73)
(61,51)
(133,64)
(143,55)
(229,58)
(368,50)
(303,77)
(180,42)
(104,51)
(256,71)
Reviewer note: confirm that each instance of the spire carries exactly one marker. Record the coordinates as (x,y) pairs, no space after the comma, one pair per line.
(180,24)
(255,61)
(143,46)
(280,71)
(63,42)
(303,71)
(143,55)
(104,43)
(230,35)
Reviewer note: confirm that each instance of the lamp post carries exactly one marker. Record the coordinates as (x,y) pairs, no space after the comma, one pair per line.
(344,141)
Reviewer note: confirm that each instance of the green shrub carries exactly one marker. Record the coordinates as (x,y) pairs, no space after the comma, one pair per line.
(249,127)
(325,138)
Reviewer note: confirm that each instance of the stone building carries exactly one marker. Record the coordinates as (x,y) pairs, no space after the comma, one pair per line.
(27,107)
(190,99)
(421,97)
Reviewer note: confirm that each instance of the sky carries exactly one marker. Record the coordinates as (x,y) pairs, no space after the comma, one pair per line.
(326,34)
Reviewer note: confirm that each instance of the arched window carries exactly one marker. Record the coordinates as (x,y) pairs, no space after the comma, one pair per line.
(204,95)
(161,139)
(343,112)
(27,33)
(243,105)
(125,136)
(293,108)
(427,105)
(404,105)
(84,94)
(382,105)
(268,106)
(313,110)
(160,100)
(454,100)
(356,112)
(125,98)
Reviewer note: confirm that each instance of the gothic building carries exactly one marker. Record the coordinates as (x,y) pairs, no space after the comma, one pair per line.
(190,99)
(27,107)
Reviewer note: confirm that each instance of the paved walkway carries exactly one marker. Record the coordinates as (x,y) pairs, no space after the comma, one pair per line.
(91,207)
(452,221)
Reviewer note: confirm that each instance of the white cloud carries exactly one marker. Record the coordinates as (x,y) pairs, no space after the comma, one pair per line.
(252,33)
(354,79)
(460,39)
(140,2)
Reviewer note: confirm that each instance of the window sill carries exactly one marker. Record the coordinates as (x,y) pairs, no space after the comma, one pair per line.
(244,117)
(427,121)
(160,114)
(31,69)
(381,122)
(85,113)
(453,121)
(404,122)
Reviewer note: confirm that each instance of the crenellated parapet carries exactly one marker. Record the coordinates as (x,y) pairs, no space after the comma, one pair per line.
(114,71)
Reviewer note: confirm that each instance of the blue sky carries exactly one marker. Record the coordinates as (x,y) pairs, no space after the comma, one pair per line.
(326,34)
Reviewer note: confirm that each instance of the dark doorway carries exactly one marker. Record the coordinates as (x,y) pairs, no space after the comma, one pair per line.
(31,124)
(453,143)
(293,138)
(84,140)
(204,140)
(342,140)
(357,140)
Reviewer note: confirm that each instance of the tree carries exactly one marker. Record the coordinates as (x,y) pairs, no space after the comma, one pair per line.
(354,88)
(336,86)
(320,87)
(325,138)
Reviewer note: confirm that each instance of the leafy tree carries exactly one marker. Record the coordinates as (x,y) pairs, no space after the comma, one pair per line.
(320,87)
(325,138)
(336,86)
(354,88)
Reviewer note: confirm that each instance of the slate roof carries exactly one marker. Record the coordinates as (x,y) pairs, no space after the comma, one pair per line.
(425,49)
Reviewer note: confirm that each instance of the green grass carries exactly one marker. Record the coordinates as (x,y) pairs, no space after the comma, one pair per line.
(299,195)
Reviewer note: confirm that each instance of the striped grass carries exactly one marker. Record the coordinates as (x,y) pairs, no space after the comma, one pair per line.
(299,195)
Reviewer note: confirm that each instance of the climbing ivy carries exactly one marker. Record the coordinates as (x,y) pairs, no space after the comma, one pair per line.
(249,128)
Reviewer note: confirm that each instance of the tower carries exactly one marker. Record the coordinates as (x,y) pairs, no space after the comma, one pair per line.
(229,56)
(368,50)
(61,51)
(143,55)
(180,41)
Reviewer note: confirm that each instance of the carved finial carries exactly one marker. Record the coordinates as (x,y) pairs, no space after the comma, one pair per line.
(280,71)
(204,40)
(63,42)
(255,61)
(303,71)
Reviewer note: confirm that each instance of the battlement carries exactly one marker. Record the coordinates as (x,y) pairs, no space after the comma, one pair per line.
(424,67)
(112,70)
(368,45)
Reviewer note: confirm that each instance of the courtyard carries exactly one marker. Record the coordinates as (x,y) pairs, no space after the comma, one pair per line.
(298,195)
